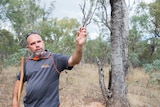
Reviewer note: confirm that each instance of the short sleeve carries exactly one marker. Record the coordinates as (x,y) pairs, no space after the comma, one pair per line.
(61,62)
(19,74)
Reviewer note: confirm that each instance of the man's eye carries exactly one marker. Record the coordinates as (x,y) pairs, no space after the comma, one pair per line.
(39,41)
(32,43)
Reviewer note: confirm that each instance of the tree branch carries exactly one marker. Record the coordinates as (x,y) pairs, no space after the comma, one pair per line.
(106,92)
(87,17)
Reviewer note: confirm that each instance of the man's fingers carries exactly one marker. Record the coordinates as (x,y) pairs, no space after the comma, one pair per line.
(82,30)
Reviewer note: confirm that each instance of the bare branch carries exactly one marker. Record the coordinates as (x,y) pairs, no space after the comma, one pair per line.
(105,91)
(83,11)
(104,18)
(87,16)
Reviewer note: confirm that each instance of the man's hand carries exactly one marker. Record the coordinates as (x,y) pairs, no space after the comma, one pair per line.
(81,36)
(15,104)
(77,54)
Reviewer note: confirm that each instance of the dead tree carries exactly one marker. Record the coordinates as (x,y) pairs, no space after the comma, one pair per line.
(116,93)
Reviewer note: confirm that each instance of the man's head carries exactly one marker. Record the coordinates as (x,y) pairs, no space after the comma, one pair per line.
(35,43)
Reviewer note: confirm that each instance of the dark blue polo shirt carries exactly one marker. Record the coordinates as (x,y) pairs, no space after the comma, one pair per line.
(42,88)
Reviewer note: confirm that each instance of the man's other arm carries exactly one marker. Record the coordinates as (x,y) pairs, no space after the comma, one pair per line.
(15,95)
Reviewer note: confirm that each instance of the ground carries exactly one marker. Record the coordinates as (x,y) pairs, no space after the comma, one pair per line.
(80,87)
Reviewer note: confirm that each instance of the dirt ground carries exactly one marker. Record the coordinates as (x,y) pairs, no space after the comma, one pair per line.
(80,88)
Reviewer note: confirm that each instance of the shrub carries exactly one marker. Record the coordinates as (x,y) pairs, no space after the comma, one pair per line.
(154,71)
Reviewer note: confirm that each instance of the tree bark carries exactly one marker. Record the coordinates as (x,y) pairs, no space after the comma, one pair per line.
(119,54)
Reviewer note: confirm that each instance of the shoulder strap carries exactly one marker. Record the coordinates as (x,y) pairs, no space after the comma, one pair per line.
(52,59)
(54,65)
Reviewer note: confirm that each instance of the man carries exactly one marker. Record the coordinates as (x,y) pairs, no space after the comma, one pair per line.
(41,71)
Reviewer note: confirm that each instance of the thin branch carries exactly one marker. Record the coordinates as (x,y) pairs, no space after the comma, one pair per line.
(104,18)
(87,17)
(105,91)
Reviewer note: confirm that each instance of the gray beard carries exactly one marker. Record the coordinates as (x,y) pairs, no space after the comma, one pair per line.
(39,53)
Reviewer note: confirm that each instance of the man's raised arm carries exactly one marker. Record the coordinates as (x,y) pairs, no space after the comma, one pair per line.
(80,41)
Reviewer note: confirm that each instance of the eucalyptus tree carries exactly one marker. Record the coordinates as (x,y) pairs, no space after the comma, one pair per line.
(64,32)
(155,14)
(23,15)
(96,48)
(144,33)
(8,46)
(59,35)
(155,21)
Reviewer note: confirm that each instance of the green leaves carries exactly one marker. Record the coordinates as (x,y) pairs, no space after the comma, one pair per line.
(7,45)
(155,12)
(23,16)
(63,34)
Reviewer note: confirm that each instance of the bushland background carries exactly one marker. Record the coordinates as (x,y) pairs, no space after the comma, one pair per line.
(80,87)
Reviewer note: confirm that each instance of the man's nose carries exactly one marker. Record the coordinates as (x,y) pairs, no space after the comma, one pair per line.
(37,44)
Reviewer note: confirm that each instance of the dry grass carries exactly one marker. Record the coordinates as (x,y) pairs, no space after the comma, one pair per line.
(7,79)
(140,92)
(80,88)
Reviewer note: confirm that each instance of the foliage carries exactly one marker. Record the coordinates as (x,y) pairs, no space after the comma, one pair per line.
(26,16)
(59,35)
(8,44)
(154,71)
(134,61)
(23,15)
(97,48)
(152,67)
(135,47)
(143,41)
(155,78)
(14,59)
(155,13)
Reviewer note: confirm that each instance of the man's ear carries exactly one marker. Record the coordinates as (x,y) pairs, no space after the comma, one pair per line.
(28,48)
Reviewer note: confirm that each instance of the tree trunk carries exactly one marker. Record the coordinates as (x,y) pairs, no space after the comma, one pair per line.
(119,54)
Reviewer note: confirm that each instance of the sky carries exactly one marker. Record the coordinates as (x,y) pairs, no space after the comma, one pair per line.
(67,8)
(71,9)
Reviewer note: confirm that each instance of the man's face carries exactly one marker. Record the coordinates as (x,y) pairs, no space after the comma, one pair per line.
(35,44)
